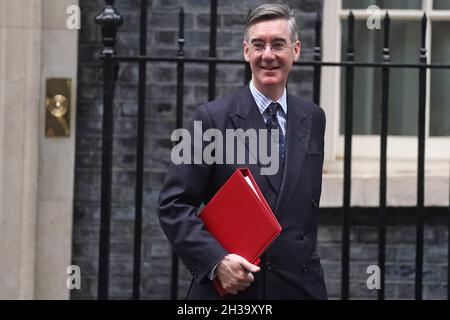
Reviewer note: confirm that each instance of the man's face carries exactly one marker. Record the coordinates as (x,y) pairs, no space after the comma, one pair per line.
(270,66)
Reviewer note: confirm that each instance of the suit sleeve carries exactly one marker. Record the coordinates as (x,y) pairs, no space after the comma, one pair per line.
(183,191)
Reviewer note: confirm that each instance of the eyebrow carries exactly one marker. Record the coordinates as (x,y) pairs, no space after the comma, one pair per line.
(275,39)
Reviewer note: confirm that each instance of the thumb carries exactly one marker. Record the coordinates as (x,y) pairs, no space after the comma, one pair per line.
(249,266)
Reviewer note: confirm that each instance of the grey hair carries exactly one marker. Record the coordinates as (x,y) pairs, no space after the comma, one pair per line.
(270,11)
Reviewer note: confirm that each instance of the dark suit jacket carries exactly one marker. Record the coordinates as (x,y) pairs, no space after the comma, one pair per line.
(290,268)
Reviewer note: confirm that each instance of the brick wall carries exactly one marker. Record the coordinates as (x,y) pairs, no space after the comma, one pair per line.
(160,121)
(400,252)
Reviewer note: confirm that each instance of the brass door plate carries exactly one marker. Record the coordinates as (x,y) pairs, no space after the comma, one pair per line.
(57,107)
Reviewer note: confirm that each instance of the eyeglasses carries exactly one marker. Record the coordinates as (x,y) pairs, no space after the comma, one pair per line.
(276,46)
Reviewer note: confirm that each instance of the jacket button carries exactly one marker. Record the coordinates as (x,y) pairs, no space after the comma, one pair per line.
(304,268)
(314,203)
(268,266)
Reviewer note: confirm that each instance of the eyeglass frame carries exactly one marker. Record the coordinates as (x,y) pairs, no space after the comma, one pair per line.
(263,47)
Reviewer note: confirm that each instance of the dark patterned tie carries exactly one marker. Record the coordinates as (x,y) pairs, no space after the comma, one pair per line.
(272,123)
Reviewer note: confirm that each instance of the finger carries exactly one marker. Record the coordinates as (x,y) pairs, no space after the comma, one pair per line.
(231,290)
(250,277)
(249,266)
(242,287)
(246,277)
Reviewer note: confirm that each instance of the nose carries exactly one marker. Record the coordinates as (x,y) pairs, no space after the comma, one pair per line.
(268,54)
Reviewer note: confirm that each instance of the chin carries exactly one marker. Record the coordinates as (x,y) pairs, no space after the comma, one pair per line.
(271,81)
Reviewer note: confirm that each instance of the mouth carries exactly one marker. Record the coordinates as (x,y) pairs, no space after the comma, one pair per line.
(270,68)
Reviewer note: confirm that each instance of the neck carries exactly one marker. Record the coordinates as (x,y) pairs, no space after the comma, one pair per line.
(273,92)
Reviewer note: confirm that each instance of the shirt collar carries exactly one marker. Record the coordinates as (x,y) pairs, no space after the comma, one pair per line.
(263,102)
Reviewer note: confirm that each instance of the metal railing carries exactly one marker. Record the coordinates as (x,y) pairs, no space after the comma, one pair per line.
(110,20)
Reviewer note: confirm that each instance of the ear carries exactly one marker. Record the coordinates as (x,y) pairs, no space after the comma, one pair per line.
(246,51)
(297,49)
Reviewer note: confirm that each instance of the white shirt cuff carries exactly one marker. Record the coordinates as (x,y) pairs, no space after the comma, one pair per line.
(213,274)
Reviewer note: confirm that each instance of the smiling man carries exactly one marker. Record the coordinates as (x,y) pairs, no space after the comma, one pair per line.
(271,47)
(290,268)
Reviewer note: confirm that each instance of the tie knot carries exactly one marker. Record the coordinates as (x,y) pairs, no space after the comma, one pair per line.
(272,109)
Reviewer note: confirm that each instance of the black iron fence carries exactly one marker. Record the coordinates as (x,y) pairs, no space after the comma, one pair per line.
(110,20)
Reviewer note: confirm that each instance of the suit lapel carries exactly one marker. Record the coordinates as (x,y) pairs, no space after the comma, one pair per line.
(298,133)
(247,116)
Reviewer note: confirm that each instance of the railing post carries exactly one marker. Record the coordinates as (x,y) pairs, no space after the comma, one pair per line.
(178,124)
(383,159)
(421,162)
(212,51)
(140,153)
(109,20)
(346,214)
(317,57)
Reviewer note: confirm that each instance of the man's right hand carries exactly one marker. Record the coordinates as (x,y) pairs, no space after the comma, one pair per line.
(235,273)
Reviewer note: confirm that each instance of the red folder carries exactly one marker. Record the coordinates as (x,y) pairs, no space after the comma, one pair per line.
(239,218)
